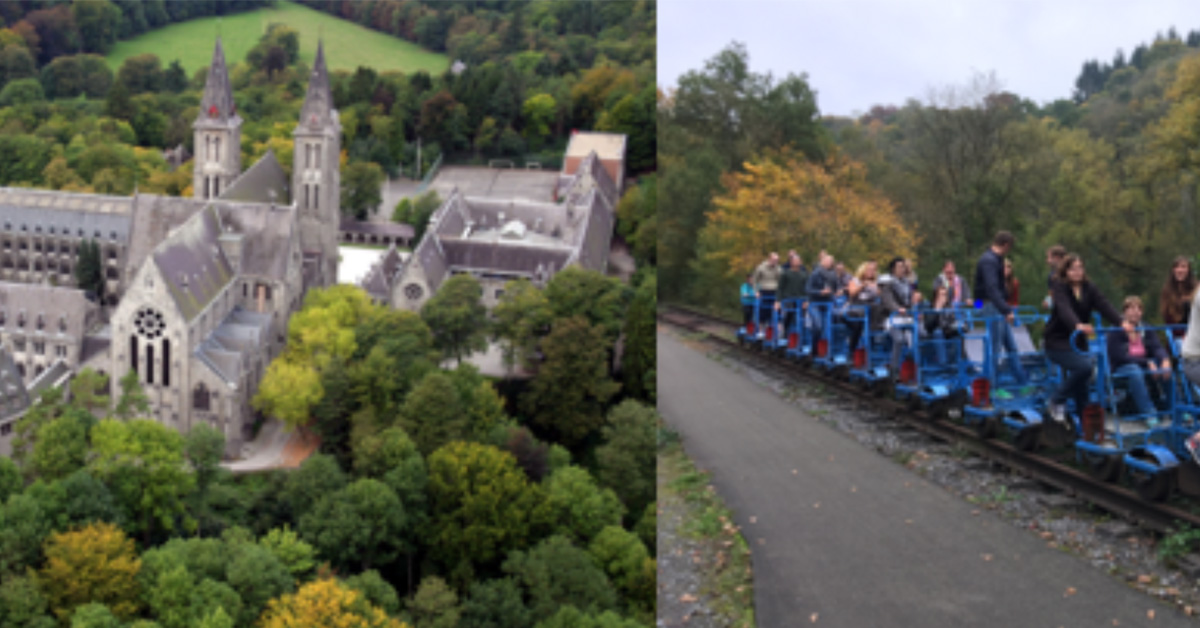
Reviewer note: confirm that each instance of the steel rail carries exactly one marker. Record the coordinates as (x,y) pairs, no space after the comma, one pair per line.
(1118,500)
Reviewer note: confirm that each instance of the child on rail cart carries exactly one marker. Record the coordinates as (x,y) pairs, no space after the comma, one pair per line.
(748,300)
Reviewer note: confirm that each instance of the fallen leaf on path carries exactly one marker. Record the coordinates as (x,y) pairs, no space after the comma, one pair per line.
(1150,614)
(1070,592)
(762,541)
(1047,535)
(795,472)
(987,557)
(813,618)
(975,512)
(1144,579)
(687,597)
(853,489)
(1172,591)
(908,521)
(817,505)
(753,519)
(1189,611)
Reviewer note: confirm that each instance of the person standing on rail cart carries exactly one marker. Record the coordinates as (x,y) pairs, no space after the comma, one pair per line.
(1054,257)
(766,282)
(821,285)
(1191,362)
(957,290)
(1175,301)
(991,298)
(792,284)
(1075,299)
(748,300)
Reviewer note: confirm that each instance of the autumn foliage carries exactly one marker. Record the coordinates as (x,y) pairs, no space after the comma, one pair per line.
(784,202)
(325,603)
(94,564)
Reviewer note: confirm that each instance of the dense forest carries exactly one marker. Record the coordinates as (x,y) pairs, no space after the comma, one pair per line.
(435,501)
(1110,174)
(67,122)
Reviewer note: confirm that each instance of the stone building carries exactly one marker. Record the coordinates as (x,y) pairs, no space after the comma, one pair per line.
(203,287)
(501,240)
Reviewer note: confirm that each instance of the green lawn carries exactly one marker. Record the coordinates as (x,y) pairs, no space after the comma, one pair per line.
(347,45)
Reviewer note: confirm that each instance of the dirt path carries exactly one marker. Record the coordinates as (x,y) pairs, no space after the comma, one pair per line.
(704,575)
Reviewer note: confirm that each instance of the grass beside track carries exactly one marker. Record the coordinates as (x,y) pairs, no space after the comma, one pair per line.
(724,568)
(347,45)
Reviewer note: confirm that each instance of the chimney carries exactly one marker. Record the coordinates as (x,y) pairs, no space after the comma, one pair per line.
(262,295)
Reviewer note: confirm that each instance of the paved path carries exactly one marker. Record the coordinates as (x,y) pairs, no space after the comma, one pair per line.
(274,448)
(857,540)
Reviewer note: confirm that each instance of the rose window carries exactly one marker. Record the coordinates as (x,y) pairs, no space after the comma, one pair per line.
(149,323)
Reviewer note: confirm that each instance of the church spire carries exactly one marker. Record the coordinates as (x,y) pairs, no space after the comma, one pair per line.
(217,103)
(318,103)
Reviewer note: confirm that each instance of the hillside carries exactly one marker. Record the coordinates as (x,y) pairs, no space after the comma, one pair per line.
(191,42)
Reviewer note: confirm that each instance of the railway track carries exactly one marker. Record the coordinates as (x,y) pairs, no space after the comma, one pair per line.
(1164,518)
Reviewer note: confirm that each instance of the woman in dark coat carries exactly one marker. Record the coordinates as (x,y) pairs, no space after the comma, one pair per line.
(1075,300)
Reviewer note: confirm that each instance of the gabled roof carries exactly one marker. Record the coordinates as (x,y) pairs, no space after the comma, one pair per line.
(268,234)
(318,102)
(217,103)
(193,265)
(378,282)
(257,184)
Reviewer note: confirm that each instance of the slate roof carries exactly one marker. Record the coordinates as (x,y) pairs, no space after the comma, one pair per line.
(379,279)
(502,257)
(257,183)
(429,254)
(597,235)
(65,214)
(267,236)
(53,377)
(193,265)
(56,306)
(153,218)
(225,350)
(217,92)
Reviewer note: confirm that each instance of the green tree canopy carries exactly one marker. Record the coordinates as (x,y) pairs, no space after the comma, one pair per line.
(572,385)
(457,317)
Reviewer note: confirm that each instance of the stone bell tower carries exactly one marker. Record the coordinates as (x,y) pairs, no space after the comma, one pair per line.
(218,128)
(316,181)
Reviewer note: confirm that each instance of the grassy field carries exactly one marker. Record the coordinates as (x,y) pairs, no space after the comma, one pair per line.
(347,45)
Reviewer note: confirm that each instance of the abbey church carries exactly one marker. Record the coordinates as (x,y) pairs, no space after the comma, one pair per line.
(200,289)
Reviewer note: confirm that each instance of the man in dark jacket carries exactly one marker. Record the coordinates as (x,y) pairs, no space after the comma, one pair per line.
(792,285)
(821,285)
(992,299)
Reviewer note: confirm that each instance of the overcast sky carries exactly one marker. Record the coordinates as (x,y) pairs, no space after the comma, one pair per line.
(860,53)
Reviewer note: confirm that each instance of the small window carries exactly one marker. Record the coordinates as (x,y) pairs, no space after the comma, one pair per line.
(6,428)
(19,344)
(60,351)
(39,348)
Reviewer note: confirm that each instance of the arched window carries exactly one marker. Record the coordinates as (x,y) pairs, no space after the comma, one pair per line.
(166,358)
(149,363)
(133,353)
(200,398)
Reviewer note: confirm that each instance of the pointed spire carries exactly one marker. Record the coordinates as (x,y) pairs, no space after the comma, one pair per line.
(217,103)
(318,103)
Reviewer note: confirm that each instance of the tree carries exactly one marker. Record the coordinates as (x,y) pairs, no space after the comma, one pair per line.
(133,401)
(593,295)
(288,391)
(62,446)
(317,477)
(257,576)
(361,194)
(143,461)
(784,200)
(95,615)
(97,21)
(10,479)
(359,526)
(21,92)
(375,590)
(433,414)
(634,116)
(204,447)
(23,525)
(494,604)
(23,604)
(575,508)
(435,605)
(628,565)
(538,113)
(416,213)
(572,385)
(97,563)
(480,502)
(179,601)
(457,317)
(519,319)
(297,556)
(89,390)
(641,354)
(325,603)
(625,462)
(571,617)
(637,220)
(555,573)
(175,78)
(16,63)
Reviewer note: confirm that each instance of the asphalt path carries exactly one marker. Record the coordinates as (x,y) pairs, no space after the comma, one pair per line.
(842,536)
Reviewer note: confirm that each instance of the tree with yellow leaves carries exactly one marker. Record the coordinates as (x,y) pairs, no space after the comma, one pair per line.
(325,603)
(97,563)
(784,202)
